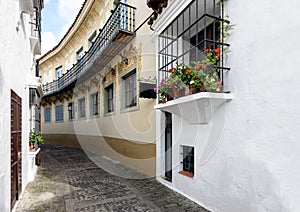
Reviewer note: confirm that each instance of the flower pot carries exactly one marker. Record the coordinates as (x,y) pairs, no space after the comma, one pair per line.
(31,146)
(202,88)
(177,93)
(187,90)
(219,86)
(192,89)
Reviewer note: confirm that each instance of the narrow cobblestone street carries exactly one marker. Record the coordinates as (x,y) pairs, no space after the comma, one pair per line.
(69,181)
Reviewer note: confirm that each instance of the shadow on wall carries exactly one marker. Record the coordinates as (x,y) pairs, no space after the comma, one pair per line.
(1,81)
(247,188)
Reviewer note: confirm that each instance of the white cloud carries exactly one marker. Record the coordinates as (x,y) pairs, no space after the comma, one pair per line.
(68,9)
(46,1)
(48,41)
(67,12)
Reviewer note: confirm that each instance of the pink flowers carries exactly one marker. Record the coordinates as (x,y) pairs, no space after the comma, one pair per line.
(204,67)
(163,81)
(155,90)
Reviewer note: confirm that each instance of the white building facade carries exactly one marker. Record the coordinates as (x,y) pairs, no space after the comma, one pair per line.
(20,90)
(233,149)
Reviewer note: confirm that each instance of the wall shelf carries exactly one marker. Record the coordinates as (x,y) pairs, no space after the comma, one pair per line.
(197,108)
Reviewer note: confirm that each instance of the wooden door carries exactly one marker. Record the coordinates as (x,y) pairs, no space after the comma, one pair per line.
(16,147)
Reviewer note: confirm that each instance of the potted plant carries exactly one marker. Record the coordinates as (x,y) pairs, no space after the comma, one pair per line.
(39,139)
(40,142)
(32,139)
(207,73)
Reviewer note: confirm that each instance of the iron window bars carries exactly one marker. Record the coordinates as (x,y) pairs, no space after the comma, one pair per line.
(198,27)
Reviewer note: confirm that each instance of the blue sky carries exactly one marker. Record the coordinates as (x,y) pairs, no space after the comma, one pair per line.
(57,17)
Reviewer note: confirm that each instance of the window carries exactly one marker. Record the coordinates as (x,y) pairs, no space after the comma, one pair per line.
(109,92)
(94,104)
(47,115)
(130,98)
(59,113)
(79,54)
(190,37)
(81,106)
(59,72)
(92,38)
(71,110)
(187,161)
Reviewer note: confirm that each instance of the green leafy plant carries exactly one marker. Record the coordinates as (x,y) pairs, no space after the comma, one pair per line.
(32,138)
(39,139)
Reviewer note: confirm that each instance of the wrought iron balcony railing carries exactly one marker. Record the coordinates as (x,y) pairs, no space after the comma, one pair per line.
(119,25)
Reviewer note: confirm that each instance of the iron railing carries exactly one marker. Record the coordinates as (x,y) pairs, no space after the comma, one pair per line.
(122,19)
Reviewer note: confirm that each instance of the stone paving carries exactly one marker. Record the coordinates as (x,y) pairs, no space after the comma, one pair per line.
(69,181)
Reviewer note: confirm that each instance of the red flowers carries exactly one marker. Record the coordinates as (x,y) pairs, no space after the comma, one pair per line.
(204,67)
(187,71)
(163,101)
(217,50)
(197,66)
(171,70)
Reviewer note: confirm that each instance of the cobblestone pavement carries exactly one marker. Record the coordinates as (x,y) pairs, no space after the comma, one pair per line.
(69,181)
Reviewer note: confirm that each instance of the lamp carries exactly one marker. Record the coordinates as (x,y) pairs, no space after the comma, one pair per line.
(125,59)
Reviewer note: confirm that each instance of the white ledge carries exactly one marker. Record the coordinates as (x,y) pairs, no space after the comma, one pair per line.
(34,153)
(197,108)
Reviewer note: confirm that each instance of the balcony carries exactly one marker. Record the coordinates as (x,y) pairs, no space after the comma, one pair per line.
(191,61)
(27,6)
(117,32)
(35,37)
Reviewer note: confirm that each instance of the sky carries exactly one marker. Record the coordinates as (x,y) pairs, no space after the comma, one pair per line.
(57,17)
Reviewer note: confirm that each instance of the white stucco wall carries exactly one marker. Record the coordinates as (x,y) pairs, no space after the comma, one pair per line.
(16,63)
(256,164)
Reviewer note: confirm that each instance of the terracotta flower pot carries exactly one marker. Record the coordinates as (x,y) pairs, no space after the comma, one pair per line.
(219,86)
(202,88)
(192,89)
(177,93)
(187,90)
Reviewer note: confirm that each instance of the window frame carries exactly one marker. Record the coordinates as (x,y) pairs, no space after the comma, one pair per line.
(71,113)
(133,91)
(57,70)
(107,100)
(46,120)
(187,160)
(92,38)
(79,53)
(57,117)
(94,106)
(81,108)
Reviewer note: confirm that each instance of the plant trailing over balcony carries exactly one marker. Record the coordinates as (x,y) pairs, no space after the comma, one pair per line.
(199,76)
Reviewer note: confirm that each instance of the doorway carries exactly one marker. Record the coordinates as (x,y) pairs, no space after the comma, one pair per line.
(16,147)
(168,147)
